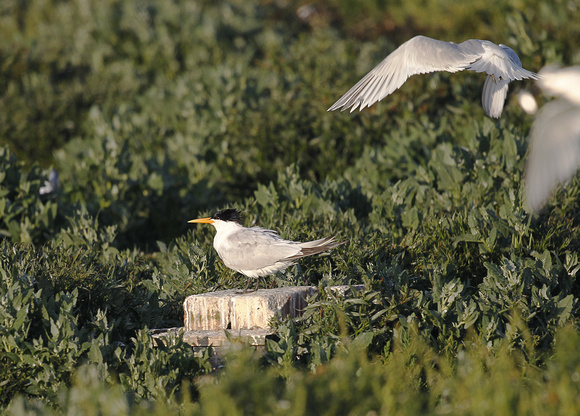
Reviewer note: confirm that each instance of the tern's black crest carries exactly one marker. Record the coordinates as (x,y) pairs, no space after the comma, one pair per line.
(229,214)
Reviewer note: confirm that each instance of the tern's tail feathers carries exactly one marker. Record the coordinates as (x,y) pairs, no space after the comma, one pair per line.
(493,97)
(317,246)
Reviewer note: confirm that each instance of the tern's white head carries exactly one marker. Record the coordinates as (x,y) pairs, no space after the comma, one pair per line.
(222,220)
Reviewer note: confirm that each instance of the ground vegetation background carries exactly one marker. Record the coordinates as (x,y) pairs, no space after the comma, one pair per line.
(155,112)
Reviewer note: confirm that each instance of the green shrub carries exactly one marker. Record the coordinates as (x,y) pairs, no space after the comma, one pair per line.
(156,112)
(25,214)
(64,306)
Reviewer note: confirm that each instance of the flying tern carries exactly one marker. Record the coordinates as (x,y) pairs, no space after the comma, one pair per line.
(554,153)
(421,55)
(257,251)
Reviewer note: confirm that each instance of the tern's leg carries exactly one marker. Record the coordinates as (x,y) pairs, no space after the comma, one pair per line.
(247,285)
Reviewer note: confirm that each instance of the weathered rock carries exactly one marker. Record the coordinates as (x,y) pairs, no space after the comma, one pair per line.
(233,309)
(216,337)
(244,316)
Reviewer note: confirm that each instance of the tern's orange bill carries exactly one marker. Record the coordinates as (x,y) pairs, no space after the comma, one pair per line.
(207,220)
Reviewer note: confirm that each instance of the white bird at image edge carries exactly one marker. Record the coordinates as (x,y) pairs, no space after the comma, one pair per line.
(421,55)
(554,153)
(257,251)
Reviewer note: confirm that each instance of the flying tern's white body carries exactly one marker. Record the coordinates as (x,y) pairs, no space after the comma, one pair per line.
(421,55)
(555,136)
(256,251)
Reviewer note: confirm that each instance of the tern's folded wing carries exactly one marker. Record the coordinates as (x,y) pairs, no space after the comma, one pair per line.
(257,249)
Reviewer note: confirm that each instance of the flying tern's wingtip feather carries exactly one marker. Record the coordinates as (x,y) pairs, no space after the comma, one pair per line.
(537,193)
(533,206)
